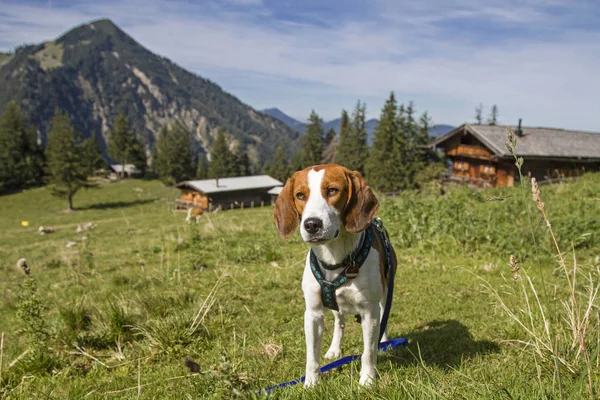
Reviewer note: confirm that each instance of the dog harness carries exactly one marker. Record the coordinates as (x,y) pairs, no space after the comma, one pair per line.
(351,264)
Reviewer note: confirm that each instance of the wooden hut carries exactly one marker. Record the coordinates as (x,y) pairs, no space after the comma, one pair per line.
(479,154)
(227,193)
(129,171)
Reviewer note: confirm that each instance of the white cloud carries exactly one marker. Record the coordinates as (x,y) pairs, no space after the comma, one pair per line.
(413,48)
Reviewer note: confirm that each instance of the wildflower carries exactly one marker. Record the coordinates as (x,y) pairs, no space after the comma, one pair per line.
(515,266)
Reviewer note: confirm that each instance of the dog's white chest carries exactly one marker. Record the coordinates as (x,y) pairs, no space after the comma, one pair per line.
(355,295)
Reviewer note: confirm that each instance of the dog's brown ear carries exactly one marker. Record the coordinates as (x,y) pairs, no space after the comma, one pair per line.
(362,205)
(285,213)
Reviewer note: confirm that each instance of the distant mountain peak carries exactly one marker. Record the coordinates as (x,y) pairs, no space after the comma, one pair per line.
(96,71)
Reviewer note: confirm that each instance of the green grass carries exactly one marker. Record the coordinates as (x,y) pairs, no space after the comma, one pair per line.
(145,290)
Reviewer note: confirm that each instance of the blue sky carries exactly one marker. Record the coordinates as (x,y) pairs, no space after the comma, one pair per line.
(536,59)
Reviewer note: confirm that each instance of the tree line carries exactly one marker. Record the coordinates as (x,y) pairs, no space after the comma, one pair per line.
(394,161)
(68,159)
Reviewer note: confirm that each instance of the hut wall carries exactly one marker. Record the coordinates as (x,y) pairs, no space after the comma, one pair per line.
(237,198)
(548,169)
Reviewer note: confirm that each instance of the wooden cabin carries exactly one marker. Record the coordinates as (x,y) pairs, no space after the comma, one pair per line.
(479,154)
(227,193)
(129,171)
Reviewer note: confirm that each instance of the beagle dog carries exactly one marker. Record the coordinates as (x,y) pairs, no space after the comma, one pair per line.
(335,209)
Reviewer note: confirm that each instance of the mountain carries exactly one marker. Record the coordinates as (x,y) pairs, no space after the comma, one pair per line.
(440,130)
(95,71)
(434,131)
(286,119)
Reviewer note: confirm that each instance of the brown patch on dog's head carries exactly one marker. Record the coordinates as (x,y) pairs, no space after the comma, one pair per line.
(362,205)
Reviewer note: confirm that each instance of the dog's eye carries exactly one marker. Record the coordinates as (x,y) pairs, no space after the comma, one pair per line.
(300,196)
(332,192)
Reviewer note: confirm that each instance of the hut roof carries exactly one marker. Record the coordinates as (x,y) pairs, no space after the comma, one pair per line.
(209,186)
(276,190)
(129,168)
(534,142)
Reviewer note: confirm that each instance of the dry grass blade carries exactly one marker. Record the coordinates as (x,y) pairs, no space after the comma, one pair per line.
(207,304)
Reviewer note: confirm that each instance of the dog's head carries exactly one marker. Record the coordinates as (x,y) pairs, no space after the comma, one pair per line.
(324,199)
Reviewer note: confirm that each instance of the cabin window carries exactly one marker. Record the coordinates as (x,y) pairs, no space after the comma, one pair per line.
(461,165)
(487,169)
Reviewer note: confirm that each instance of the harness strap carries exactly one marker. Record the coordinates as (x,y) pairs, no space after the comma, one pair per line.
(351,271)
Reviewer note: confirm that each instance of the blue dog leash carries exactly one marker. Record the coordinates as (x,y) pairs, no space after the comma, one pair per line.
(383,346)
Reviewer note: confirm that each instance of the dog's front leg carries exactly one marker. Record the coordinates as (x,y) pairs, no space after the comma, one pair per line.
(370,327)
(335,350)
(313,329)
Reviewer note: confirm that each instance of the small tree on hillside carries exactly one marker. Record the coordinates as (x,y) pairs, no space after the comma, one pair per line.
(381,167)
(92,154)
(202,167)
(312,141)
(66,167)
(277,167)
(493,119)
(221,158)
(295,163)
(346,145)
(174,154)
(359,135)
(21,158)
(241,162)
(479,114)
(124,146)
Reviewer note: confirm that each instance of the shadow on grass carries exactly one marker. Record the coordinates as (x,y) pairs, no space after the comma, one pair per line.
(444,344)
(116,204)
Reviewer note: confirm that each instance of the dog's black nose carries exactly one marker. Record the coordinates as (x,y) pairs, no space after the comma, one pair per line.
(312,225)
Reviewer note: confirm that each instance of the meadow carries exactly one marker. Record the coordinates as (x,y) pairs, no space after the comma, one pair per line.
(148,306)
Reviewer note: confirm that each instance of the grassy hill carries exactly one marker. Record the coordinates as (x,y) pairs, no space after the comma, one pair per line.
(144,290)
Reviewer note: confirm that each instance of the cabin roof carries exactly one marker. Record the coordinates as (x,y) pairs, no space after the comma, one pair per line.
(535,142)
(129,168)
(276,190)
(209,186)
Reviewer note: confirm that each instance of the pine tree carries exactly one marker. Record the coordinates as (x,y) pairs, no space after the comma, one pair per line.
(124,146)
(278,167)
(174,154)
(312,141)
(359,136)
(296,163)
(21,157)
(479,114)
(66,167)
(329,136)
(92,154)
(346,145)
(493,119)
(241,164)
(221,158)
(202,167)
(381,167)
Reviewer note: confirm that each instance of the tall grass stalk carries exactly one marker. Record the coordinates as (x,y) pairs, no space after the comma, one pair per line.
(571,322)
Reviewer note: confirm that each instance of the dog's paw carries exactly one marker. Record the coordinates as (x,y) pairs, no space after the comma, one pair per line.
(311,380)
(333,353)
(366,380)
